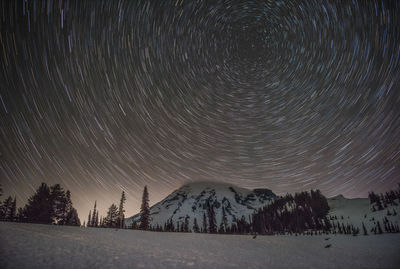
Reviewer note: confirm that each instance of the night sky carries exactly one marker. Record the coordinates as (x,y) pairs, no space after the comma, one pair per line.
(105,96)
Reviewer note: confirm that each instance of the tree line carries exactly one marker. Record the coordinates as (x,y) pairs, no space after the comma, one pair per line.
(383,200)
(301,213)
(48,205)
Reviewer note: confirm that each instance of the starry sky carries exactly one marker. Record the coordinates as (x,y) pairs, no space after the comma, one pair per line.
(105,96)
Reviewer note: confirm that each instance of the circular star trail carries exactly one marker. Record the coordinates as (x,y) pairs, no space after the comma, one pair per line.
(105,96)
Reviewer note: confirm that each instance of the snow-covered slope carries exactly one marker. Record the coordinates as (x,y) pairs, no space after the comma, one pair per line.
(191,201)
(357,211)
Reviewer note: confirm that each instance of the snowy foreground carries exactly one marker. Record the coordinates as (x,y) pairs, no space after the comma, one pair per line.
(43,246)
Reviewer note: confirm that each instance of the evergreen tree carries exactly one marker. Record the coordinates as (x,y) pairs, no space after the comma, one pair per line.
(212,223)
(364,229)
(1,206)
(59,204)
(13,210)
(21,215)
(354,231)
(96,221)
(386,227)
(121,211)
(224,222)
(89,219)
(379,227)
(204,229)
(40,208)
(48,205)
(111,221)
(72,218)
(93,220)
(144,211)
(196,228)
(379,204)
(308,211)
(70,215)
(392,228)
(2,212)
(186,225)
(388,213)
(68,208)
(7,209)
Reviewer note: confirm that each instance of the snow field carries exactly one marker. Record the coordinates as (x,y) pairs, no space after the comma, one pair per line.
(44,246)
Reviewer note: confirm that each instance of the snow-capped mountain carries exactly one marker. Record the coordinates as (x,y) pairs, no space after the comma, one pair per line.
(191,201)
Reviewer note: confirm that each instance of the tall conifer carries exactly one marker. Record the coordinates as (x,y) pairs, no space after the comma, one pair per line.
(89,219)
(93,221)
(144,211)
(195,226)
(205,226)
(121,211)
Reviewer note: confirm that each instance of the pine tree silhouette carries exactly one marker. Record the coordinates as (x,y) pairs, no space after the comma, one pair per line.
(6,209)
(186,225)
(21,216)
(59,204)
(13,210)
(111,221)
(93,220)
(379,227)
(204,228)
(70,215)
(121,210)
(364,229)
(89,219)
(212,223)
(40,208)
(72,218)
(195,226)
(224,222)
(145,211)
(96,220)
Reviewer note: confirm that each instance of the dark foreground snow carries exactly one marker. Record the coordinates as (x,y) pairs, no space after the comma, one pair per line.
(43,246)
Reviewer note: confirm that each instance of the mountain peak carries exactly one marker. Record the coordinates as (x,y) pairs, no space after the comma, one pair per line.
(207,184)
(190,201)
(338,197)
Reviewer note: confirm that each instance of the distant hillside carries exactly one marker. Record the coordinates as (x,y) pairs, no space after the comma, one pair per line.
(358,211)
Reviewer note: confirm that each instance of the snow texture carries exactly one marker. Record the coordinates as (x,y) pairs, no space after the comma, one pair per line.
(45,246)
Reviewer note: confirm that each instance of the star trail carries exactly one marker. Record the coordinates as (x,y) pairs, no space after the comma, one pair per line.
(105,96)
